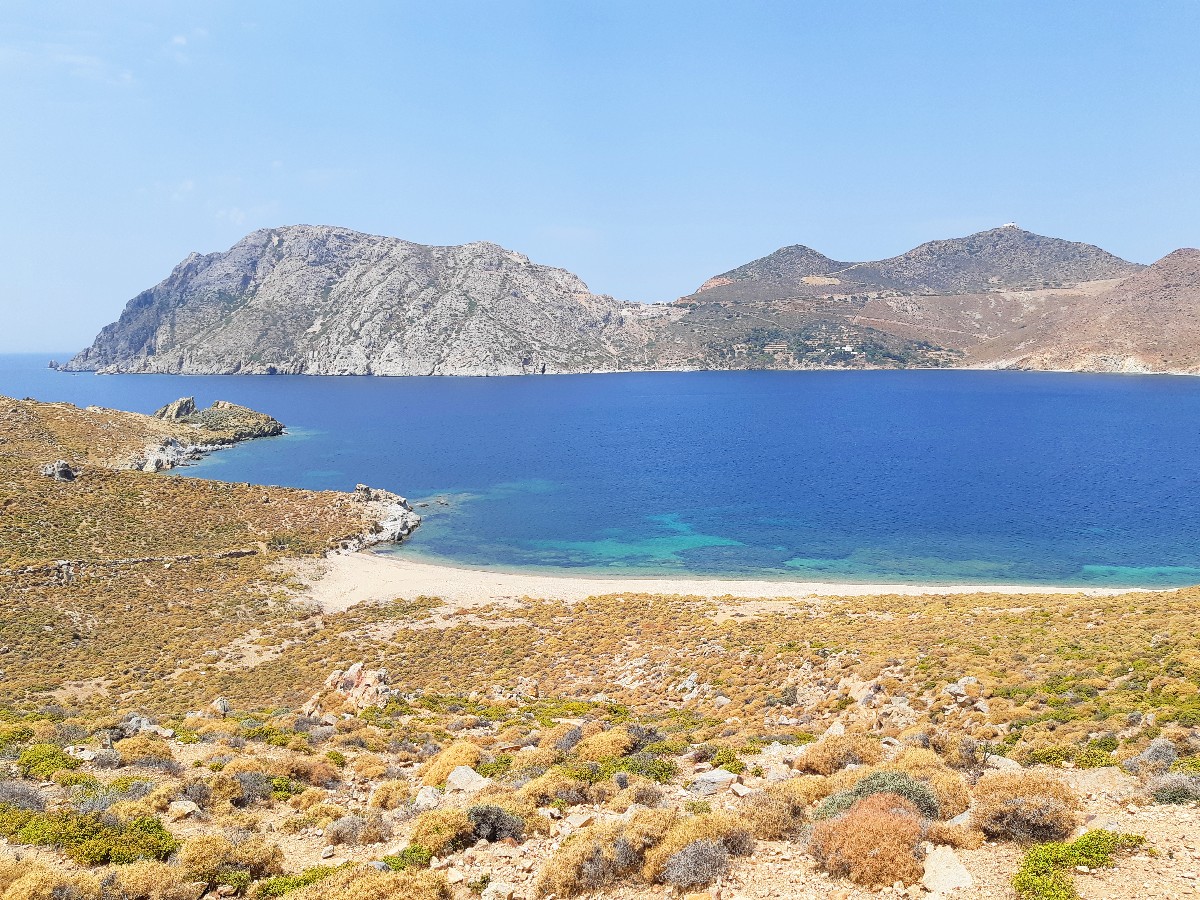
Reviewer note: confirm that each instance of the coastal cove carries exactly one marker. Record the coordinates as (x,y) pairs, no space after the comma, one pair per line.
(869,477)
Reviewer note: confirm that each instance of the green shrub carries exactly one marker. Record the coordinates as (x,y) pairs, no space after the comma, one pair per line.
(1094,758)
(43,760)
(279,885)
(495,767)
(12,736)
(336,757)
(414,856)
(282,788)
(1049,756)
(729,761)
(644,764)
(90,839)
(1045,871)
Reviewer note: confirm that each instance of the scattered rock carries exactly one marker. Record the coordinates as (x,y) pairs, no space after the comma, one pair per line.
(944,871)
(499,890)
(710,782)
(60,471)
(580,819)
(467,780)
(1002,763)
(427,797)
(182,809)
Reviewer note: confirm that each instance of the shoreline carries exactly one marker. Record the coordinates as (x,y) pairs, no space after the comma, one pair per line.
(341,581)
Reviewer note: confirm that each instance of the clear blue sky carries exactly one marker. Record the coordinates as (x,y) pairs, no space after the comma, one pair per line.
(643,145)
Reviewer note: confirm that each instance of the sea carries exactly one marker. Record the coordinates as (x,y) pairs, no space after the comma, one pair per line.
(943,477)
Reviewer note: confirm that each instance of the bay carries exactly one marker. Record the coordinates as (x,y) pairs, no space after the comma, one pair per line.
(900,476)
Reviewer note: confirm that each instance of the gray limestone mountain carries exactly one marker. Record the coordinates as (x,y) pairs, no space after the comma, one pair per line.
(323,300)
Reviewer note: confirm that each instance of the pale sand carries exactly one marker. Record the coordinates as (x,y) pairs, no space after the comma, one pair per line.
(340,582)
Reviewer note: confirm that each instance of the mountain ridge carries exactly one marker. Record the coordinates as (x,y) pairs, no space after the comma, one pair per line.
(308,299)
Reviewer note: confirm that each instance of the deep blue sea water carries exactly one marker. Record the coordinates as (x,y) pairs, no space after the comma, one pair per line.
(977,477)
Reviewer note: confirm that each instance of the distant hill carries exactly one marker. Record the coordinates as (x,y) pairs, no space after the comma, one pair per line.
(1001,258)
(1149,322)
(324,300)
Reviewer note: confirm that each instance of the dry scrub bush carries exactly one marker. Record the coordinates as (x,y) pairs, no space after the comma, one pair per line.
(147,880)
(555,785)
(372,765)
(369,829)
(390,794)
(534,758)
(605,745)
(961,837)
(312,770)
(142,748)
(163,796)
(308,798)
(443,829)
(830,754)
(209,856)
(603,854)
(699,863)
(28,880)
(807,789)
(460,753)
(872,843)
(640,791)
(948,786)
(366,883)
(773,814)
(720,827)
(1027,807)
(562,738)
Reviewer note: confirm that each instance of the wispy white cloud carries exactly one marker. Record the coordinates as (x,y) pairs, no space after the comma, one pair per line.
(52,55)
(183,190)
(178,47)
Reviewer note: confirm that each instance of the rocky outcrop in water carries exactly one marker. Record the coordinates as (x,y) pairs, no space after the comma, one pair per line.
(394,519)
(236,423)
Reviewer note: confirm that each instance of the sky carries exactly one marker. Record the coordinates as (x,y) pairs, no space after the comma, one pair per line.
(644,146)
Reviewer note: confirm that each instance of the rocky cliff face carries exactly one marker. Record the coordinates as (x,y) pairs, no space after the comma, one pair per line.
(320,300)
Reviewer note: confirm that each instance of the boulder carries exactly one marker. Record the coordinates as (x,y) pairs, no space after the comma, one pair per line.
(467,780)
(1001,763)
(182,809)
(499,890)
(944,871)
(427,797)
(710,782)
(60,470)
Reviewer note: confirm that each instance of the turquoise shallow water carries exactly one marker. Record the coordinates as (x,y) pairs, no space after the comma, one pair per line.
(978,477)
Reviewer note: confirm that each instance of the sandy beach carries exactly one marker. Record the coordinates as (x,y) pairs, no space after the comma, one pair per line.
(340,582)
